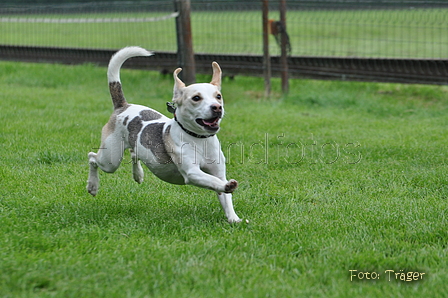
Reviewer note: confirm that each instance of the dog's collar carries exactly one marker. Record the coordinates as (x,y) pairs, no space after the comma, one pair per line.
(172,109)
(190,132)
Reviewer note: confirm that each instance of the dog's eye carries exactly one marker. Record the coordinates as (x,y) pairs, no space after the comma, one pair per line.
(218,96)
(196,98)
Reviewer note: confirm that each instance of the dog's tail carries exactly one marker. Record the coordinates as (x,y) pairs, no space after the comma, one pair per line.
(113,73)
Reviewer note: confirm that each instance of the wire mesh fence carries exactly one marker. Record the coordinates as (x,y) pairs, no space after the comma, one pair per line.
(394,29)
(386,29)
(90,25)
(391,33)
(389,40)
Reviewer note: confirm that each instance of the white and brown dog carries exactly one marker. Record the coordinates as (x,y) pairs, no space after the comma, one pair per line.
(183,150)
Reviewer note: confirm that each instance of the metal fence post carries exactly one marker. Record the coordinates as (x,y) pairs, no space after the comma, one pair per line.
(185,51)
(266,56)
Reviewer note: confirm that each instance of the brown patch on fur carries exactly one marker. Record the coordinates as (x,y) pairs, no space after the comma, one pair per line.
(116,92)
(167,131)
(134,127)
(152,139)
(125,121)
(148,115)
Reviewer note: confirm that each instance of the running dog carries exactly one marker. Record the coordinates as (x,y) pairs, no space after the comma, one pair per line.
(182,150)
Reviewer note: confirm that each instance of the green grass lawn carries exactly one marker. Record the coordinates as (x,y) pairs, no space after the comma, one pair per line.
(397,33)
(337,176)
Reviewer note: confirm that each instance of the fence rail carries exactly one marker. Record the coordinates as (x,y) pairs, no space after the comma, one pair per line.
(423,71)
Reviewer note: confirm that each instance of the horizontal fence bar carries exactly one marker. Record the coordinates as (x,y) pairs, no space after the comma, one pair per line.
(86,20)
(413,71)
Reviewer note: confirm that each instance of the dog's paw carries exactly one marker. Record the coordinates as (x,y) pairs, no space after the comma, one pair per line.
(138,175)
(138,179)
(137,170)
(92,188)
(235,220)
(231,186)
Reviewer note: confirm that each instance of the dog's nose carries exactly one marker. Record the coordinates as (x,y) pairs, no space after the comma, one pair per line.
(216,108)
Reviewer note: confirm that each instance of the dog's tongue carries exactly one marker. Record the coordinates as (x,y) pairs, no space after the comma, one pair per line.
(211,122)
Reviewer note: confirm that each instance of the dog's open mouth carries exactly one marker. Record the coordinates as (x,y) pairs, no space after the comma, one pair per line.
(211,124)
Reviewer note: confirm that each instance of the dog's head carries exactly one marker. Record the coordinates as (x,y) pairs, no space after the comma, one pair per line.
(199,106)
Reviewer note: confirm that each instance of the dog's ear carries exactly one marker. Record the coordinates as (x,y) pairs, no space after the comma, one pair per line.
(216,79)
(178,86)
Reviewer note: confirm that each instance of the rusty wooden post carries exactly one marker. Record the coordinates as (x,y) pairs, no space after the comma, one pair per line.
(284,52)
(185,51)
(266,56)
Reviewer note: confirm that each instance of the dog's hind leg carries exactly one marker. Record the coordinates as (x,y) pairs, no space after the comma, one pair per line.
(94,180)
(137,170)
(108,159)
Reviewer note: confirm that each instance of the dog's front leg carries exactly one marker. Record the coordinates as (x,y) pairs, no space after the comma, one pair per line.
(137,170)
(226,202)
(219,183)
(195,176)
(222,187)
